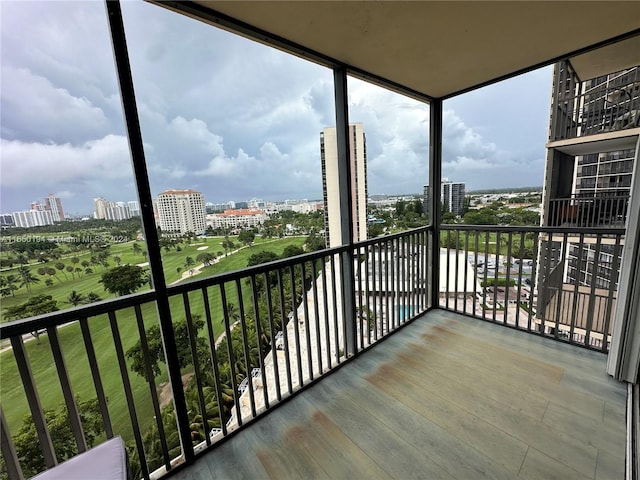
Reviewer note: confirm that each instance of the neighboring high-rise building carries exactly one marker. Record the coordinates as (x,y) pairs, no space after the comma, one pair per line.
(181,211)
(134,208)
(451,196)
(330,188)
(587,184)
(107,210)
(54,205)
(32,218)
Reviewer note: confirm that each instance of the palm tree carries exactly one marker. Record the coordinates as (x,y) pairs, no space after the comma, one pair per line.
(188,263)
(12,284)
(136,249)
(60,266)
(117,259)
(75,298)
(92,298)
(27,277)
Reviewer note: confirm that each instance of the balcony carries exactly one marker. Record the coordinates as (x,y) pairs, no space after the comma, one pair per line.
(592,211)
(422,389)
(612,106)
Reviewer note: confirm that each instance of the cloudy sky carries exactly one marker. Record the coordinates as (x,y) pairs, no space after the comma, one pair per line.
(223,115)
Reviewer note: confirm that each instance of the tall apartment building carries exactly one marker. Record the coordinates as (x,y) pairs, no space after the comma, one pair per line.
(588,177)
(330,187)
(181,211)
(54,205)
(451,197)
(32,218)
(107,210)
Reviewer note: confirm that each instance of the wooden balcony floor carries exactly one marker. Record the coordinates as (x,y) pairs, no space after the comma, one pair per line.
(447,397)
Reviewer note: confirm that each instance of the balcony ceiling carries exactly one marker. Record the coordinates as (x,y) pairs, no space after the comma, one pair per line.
(443,48)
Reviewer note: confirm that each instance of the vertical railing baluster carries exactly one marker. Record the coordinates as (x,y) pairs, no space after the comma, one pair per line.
(360,314)
(259,337)
(507,287)
(246,347)
(193,345)
(615,268)
(395,309)
(592,297)
(521,248)
(214,359)
(285,330)
(534,279)
(296,327)
(447,287)
(152,386)
(486,274)
(475,271)
(67,392)
(96,377)
(381,287)
(316,310)
(466,273)
(560,295)
(388,273)
(371,316)
(11,462)
(576,289)
(325,311)
(33,399)
(334,295)
(272,336)
(230,353)
(307,323)
(496,287)
(455,301)
(126,383)
(546,293)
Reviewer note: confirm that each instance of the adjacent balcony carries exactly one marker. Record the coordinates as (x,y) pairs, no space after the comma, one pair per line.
(611,106)
(607,211)
(485,381)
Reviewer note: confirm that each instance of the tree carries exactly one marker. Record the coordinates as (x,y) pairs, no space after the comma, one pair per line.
(206,258)
(75,298)
(156,351)
(375,230)
(261,257)
(36,305)
(188,263)
(137,250)
(117,259)
(123,280)
(246,237)
(60,266)
(227,245)
(314,242)
(92,298)
(59,425)
(27,277)
(8,285)
(292,251)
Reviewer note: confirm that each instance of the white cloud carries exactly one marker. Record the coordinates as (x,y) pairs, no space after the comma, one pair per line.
(35,109)
(29,164)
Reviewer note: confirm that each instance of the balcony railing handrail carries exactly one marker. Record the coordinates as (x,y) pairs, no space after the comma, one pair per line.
(27,325)
(52,319)
(287,262)
(533,229)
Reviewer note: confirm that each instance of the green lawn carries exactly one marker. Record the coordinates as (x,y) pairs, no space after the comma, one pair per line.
(11,391)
